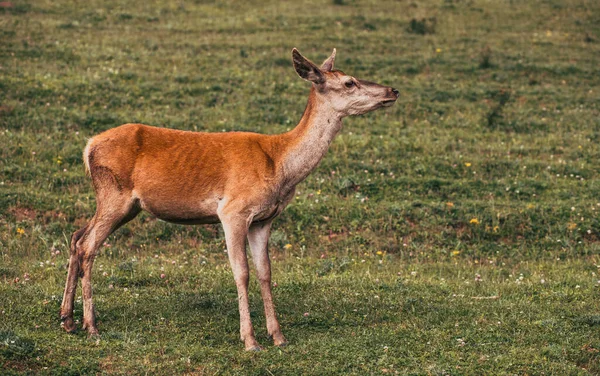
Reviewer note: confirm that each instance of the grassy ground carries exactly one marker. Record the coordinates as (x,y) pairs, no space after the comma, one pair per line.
(454,233)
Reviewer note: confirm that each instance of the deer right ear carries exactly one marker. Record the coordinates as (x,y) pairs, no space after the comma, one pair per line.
(306,68)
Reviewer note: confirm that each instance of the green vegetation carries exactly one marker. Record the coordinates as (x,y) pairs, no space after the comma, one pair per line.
(454,233)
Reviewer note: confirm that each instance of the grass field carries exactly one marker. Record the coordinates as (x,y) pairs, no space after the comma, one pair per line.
(456,233)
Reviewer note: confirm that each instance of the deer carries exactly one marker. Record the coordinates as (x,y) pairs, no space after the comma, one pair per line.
(242,180)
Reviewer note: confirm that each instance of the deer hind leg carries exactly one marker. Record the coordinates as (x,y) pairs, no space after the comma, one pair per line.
(66,308)
(258,238)
(117,211)
(115,207)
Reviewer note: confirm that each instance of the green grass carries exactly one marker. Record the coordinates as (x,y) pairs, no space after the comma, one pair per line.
(488,165)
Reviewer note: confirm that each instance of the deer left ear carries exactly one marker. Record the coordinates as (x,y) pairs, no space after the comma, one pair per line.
(306,68)
(327,65)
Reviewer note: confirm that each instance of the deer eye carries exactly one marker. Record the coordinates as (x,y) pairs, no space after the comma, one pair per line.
(349,84)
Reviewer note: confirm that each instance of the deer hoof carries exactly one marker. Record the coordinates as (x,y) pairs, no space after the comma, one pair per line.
(255,348)
(92,330)
(68,324)
(279,340)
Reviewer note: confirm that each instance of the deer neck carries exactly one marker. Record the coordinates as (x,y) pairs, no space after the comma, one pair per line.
(307,143)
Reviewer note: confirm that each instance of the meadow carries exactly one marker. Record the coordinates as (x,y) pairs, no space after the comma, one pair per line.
(455,233)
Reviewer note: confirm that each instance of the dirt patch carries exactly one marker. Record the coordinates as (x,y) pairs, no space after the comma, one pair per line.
(23,214)
(52,215)
(335,236)
(27,214)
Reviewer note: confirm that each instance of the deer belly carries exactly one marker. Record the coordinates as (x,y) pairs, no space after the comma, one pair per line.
(182,210)
(176,195)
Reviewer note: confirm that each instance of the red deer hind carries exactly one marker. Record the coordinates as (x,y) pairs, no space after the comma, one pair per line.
(240,179)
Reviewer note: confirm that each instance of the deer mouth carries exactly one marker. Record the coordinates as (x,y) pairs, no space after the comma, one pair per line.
(388,102)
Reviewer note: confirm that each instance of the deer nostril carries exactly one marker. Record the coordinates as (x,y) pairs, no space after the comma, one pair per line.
(395,92)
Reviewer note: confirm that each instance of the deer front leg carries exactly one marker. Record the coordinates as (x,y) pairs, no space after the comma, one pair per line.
(258,238)
(236,230)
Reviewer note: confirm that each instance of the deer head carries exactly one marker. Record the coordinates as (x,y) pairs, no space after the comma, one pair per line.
(345,94)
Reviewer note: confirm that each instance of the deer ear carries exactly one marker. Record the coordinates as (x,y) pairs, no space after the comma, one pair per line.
(306,68)
(327,65)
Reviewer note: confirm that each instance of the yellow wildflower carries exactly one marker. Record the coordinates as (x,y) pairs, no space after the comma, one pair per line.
(287,246)
(474,221)
(450,204)
(379,253)
(20,231)
(455,253)
(572,226)
(468,164)
(438,50)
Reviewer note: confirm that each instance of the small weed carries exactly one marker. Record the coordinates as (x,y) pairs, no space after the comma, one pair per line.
(591,320)
(485,58)
(6,272)
(370,26)
(126,266)
(279,239)
(347,187)
(422,26)
(12,8)
(495,117)
(69,25)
